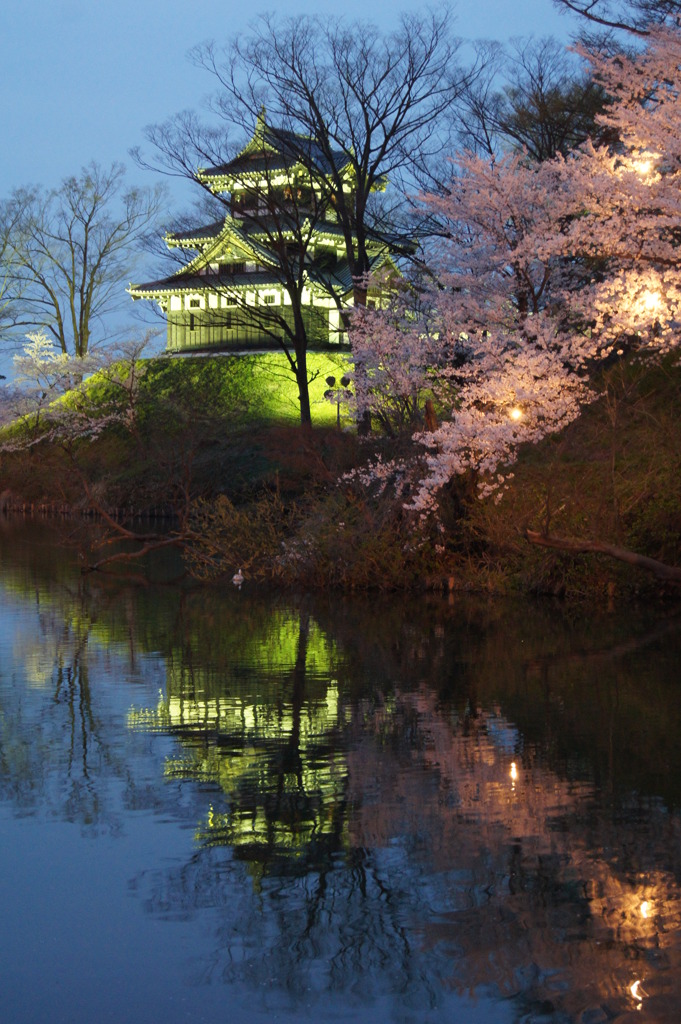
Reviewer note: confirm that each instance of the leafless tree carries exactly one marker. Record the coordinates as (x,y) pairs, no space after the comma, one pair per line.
(383,101)
(7,265)
(534,97)
(354,108)
(67,251)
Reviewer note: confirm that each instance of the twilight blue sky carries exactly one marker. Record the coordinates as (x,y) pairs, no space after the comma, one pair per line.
(83,77)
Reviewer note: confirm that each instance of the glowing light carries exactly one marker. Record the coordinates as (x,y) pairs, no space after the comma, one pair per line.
(637,992)
(643,167)
(514,771)
(651,301)
(646,907)
(515,413)
(644,164)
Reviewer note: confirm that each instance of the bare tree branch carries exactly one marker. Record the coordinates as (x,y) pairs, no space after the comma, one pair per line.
(67,252)
(632,16)
(668,573)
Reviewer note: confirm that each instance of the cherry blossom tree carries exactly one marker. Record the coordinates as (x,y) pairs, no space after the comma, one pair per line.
(402,358)
(544,271)
(493,328)
(626,198)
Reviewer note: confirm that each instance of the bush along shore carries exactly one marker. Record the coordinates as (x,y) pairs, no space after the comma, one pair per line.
(205,455)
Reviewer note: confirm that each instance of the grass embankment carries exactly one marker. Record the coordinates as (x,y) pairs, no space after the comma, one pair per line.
(221,437)
(199,424)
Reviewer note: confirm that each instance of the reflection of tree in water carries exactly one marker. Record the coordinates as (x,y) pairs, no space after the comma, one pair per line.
(60,739)
(535,884)
(414,838)
(340,927)
(48,745)
(304,910)
(264,731)
(347,767)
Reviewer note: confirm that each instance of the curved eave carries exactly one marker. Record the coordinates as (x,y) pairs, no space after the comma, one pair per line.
(186,242)
(198,236)
(220,182)
(203,283)
(340,278)
(231,236)
(225,180)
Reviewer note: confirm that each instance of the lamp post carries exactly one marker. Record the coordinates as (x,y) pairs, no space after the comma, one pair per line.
(331,381)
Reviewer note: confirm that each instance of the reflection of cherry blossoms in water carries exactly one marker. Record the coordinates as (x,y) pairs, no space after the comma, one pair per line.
(351,810)
(533,887)
(425,848)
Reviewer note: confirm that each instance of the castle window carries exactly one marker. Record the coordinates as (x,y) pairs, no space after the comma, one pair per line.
(269,299)
(195,303)
(242,201)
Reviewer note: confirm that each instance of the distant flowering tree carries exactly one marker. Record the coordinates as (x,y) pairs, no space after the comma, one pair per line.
(43,374)
(51,394)
(401,355)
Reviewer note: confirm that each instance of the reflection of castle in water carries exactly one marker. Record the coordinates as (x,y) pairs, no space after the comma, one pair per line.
(262,731)
(393,798)
(273,761)
(495,857)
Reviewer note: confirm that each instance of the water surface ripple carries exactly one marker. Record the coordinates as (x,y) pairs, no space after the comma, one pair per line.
(307,807)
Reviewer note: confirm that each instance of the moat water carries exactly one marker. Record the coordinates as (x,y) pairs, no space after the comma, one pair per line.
(229,805)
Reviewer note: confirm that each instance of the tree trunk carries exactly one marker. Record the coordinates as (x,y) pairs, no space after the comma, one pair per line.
(668,573)
(430,416)
(303,389)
